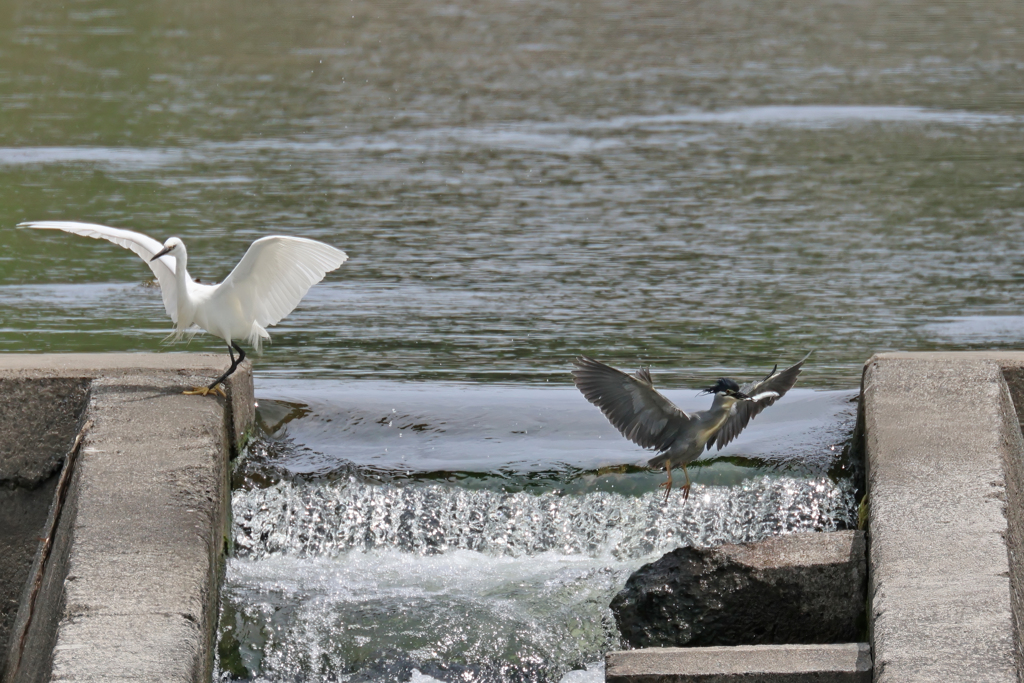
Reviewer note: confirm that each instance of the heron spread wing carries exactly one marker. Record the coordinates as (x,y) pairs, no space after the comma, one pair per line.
(145,247)
(276,272)
(762,394)
(630,403)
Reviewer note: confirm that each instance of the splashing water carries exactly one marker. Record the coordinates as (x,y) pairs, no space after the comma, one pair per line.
(363,582)
(389,531)
(315,520)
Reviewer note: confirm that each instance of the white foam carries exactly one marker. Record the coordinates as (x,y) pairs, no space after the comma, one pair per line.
(329,519)
(134,158)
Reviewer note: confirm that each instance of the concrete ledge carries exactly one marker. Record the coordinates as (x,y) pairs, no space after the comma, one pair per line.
(843,663)
(130,588)
(943,451)
(191,369)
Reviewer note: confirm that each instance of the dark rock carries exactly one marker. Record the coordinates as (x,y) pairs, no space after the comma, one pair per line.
(801,588)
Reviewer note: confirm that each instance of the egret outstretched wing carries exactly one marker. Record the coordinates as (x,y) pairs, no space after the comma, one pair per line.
(630,403)
(145,247)
(762,394)
(276,272)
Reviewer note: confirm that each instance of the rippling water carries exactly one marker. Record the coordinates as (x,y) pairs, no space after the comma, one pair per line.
(709,188)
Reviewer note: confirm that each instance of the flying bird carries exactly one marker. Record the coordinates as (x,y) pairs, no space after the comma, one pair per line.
(648,419)
(265,286)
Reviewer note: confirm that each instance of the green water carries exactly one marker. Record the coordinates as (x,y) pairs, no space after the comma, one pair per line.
(708,187)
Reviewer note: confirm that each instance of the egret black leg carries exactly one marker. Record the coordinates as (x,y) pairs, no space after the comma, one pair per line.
(234,364)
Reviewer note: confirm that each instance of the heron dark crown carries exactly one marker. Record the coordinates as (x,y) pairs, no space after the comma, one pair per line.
(725,385)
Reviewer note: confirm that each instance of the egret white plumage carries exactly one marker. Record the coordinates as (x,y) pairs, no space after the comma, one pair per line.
(648,419)
(265,286)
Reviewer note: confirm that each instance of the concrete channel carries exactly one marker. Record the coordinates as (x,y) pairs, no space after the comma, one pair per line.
(114,510)
(944,456)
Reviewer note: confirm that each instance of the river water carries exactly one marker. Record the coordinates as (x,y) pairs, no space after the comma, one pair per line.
(708,188)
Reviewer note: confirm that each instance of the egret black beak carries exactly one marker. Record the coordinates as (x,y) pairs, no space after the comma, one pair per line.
(160,253)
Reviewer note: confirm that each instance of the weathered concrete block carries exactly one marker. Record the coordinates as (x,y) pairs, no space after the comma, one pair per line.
(130,588)
(241,406)
(841,663)
(939,430)
(801,588)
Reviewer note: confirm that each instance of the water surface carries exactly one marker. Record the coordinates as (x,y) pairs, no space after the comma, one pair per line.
(708,188)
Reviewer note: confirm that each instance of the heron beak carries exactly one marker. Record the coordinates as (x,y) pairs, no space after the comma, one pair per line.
(740,395)
(160,253)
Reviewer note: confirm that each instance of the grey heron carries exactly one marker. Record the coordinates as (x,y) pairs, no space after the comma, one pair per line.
(648,419)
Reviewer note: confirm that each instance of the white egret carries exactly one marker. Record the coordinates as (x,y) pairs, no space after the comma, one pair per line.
(265,286)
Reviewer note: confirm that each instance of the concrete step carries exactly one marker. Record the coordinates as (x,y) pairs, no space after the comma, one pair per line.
(842,663)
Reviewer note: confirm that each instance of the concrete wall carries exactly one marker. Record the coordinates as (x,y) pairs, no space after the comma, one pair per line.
(944,457)
(129,589)
(40,417)
(1013,468)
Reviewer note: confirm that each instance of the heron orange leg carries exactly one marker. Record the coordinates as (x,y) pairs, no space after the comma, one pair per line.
(668,484)
(685,488)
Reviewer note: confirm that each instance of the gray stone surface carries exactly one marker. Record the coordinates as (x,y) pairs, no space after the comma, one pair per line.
(130,590)
(22,520)
(40,418)
(35,657)
(241,413)
(799,588)
(147,536)
(839,663)
(1013,469)
(938,430)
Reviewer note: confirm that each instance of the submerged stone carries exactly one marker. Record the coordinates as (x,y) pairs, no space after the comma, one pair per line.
(800,588)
